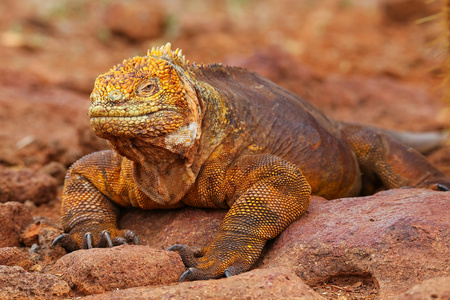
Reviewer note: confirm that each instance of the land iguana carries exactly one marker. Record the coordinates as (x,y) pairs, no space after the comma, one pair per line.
(219,137)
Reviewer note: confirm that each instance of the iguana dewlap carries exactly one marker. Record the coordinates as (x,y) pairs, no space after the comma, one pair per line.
(225,137)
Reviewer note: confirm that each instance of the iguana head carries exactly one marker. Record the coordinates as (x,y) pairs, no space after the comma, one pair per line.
(149,98)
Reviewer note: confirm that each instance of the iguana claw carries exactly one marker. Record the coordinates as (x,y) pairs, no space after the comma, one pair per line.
(186,275)
(443,187)
(197,274)
(192,274)
(68,242)
(88,240)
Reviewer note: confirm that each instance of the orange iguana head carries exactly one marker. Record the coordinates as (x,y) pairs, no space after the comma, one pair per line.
(148,98)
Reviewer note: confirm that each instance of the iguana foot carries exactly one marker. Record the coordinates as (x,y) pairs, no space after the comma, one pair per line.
(442,185)
(434,186)
(71,242)
(229,254)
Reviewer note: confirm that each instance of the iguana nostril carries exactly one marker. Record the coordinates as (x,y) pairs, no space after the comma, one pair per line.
(97,111)
(115,95)
(94,97)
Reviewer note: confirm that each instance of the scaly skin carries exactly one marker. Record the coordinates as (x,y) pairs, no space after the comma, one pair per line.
(214,136)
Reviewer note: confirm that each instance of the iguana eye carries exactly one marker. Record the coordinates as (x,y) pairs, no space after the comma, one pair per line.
(147,88)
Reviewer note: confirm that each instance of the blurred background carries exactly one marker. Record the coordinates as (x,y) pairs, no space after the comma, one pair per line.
(72,41)
(379,62)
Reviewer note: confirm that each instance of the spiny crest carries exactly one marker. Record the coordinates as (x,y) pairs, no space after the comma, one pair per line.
(166,52)
(130,72)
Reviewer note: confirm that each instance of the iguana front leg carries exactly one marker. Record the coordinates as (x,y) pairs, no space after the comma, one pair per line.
(93,187)
(266,194)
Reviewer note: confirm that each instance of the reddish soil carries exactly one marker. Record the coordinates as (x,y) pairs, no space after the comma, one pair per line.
(371,61)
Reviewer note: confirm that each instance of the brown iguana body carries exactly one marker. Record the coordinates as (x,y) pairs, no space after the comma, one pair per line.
(214,136)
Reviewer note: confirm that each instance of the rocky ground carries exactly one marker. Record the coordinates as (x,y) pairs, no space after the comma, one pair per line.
(374,62)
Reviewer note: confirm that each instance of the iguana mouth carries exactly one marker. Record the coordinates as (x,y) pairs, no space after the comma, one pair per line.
(151,124)
(125,117)
(100,111)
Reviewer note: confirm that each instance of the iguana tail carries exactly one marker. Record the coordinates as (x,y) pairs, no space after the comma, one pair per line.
(424,142)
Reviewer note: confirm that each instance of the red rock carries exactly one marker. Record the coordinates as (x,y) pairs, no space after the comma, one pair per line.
(275,283)
(14,256)
(163,228)
(16,283)
(26,184)
(435,288)
(14,217)
(391,240)
(57,170)
(39,120)
(42,233)
(30,235)
(104,269)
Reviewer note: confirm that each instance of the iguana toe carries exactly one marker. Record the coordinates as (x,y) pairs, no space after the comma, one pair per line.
(192,274)
(66,241)
(212,272)
(188,256)
(105,240)
(129,236)
(235,269)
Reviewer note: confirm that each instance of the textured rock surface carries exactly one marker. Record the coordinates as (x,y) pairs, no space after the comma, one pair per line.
(16,283)
(390,241)
(39,236)
(163,228)
(14,256)
(98,270)
(274,283)
(14,217)
(436,288)
(26,184)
